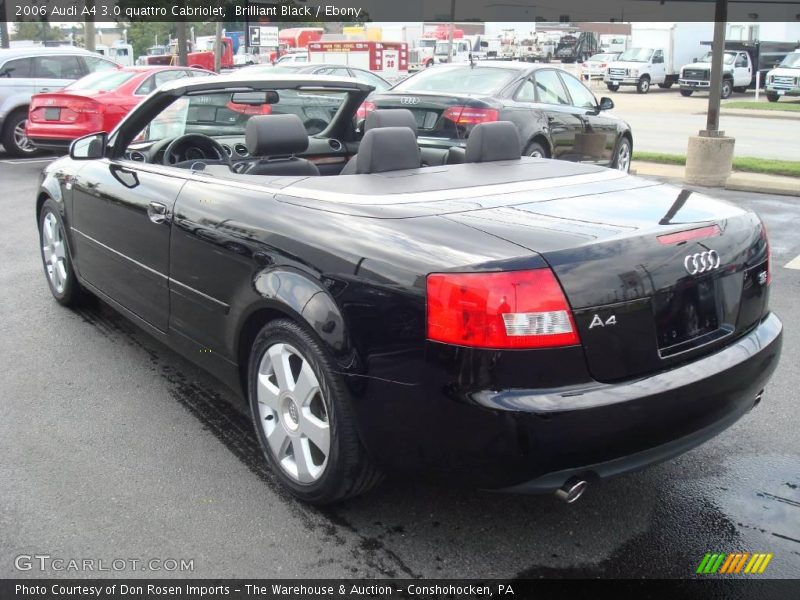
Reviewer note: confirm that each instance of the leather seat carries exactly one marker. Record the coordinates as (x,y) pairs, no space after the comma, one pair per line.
(278,138)
(383,117)
(387,149)
(489,142)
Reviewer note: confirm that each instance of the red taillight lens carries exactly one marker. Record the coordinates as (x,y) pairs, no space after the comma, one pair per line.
(464,115)
(516,309)
(250,109)
(363,110)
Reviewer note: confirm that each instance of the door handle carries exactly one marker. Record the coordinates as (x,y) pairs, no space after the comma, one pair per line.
(157,212)
(44,90)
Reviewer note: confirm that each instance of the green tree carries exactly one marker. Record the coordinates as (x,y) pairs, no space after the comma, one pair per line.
(33,30)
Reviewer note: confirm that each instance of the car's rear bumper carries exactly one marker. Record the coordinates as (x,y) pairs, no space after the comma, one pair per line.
(57,144)
(535,439)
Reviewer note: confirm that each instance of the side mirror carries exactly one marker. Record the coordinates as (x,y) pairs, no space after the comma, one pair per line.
(89,147)
(606,103)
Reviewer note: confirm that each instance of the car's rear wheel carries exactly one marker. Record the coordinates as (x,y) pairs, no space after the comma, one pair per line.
(56,257)
(686,93)
(303,417)
(622,159)
(535,150)
(14,139)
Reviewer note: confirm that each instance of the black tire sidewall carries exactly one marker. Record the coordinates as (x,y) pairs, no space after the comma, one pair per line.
(773,97)
(643,85)
(8,135)
(326,488)
(71,287)
(530,147)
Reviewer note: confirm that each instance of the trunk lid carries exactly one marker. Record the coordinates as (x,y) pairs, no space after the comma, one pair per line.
(644,301)
(437,115)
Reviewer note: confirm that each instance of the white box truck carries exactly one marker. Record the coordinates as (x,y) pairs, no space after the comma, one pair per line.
(656,54)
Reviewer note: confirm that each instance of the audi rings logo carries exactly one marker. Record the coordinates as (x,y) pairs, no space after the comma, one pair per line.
(702,262)
(409,100)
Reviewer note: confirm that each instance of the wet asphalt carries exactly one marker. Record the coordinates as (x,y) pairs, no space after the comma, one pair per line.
(112,446)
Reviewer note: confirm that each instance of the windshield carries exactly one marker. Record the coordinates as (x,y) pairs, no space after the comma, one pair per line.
(427,43)
(792,61)
(216,114)
(728,59)
(602,57)
(636,55)
(102,81)
(458,80)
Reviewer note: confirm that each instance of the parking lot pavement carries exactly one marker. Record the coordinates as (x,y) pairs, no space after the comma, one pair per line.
(113,446)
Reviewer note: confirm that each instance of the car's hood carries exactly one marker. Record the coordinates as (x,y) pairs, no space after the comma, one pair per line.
(785,72)
(626,65)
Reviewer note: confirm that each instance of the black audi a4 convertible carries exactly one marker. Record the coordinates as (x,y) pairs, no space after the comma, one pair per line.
(499,321)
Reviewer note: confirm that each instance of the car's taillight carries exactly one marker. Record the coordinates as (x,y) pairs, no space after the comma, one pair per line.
(511,309)
(363,110)
(465,115)
(250,109)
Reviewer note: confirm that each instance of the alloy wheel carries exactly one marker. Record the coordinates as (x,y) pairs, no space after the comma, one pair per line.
(623,157)
(293,413)
(21,140)
(54,252)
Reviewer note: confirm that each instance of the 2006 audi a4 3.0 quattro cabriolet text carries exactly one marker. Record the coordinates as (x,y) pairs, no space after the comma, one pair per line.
(487,319)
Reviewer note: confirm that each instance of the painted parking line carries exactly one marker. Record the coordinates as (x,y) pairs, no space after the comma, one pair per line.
(793,264)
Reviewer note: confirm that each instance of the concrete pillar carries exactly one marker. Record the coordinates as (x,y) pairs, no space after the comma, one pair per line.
(709,159)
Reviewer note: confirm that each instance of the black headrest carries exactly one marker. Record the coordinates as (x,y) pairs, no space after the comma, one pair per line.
(387,149)
(391,117)
(275,135)
(498,140)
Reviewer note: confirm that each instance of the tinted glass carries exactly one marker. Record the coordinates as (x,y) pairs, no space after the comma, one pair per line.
(17,68)
(549,89)
(98,64)
(57,67)
(163,77)
(458,80)
(526,92)
(371,79)
(103,81)
(581,97)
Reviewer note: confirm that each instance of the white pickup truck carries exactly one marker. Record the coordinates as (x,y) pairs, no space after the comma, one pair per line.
(784,80)
(737,74)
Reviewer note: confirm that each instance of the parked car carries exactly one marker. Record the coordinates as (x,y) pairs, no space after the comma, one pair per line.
(737,73)
(293,56)
(509,322)
(376,81)
(557,116)
(94,103)
(33,70)
(784,80)
(597,65)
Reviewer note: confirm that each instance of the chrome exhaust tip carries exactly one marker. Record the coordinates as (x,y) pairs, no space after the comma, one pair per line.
(572,489)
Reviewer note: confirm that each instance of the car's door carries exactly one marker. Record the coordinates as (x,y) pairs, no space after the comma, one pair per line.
(53,71)
(122,214)
(16,82)
(658,70)
(563,120)
(599,136)
(742,74)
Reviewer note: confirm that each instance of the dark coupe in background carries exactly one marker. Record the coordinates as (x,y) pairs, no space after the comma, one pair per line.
(510,322)
(557,116)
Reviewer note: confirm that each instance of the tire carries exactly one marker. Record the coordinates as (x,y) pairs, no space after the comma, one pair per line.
(536,150)
(612,87)
(665,86)
(686,93)
(56,258)
(13,137)
(773,97)
(285,426)
(726,89)
(643,85)
(623,155)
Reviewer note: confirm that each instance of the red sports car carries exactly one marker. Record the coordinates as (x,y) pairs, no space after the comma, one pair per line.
(95,103)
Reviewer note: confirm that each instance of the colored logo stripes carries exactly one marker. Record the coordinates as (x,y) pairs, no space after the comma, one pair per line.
(732,563)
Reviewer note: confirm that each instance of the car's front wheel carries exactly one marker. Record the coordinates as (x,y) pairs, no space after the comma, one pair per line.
(535,150)
(56,257)
(643,85)
(686,93)
(773,97)
(622,159)
(14,138)
(612,87)
(303,417)
(727,89)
